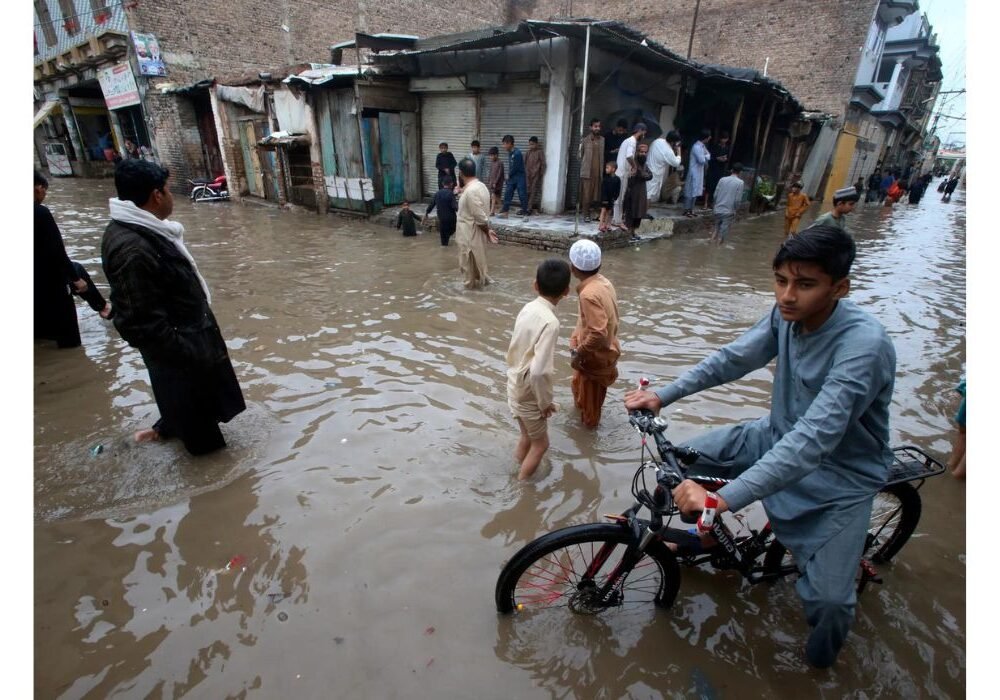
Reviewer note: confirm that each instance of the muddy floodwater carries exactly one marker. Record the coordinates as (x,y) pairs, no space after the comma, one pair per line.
(347,543)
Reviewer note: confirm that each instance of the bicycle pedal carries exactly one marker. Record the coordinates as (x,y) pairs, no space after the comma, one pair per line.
(869,572)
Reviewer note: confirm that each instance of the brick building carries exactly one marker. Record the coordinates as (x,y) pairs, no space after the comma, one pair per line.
(197,42)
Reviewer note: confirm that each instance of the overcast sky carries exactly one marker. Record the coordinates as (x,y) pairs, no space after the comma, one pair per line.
(947,17)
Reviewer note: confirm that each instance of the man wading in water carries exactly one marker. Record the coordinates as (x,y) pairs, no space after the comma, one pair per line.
(473,230)
(161,305)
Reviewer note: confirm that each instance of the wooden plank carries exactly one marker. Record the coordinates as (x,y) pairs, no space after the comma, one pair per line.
(388,98)
(327,149)
(411,155)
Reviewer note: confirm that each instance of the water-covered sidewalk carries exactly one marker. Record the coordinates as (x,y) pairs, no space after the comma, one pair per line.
(559,231)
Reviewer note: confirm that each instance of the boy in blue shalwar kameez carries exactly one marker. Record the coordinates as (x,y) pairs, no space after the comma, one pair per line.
(822,454)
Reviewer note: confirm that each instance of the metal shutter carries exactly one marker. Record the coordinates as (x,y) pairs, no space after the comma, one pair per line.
(518,108)
(573,176)
(448,117)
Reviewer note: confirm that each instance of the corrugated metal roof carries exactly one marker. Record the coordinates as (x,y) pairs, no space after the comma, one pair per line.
(611,36)
(327,73)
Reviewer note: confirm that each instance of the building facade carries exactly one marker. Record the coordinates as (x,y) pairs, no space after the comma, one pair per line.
(868,70)
(172,52)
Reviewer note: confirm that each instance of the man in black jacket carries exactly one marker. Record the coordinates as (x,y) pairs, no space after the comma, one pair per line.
(55,276)
(161,305)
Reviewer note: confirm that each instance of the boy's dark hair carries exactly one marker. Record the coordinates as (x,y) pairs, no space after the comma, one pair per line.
(723,134)
(612,163)
(507,139)
(737,167)
(705,134)
(672,136)
(406,202)
(533,139)
(594,120)
(442,145)
(475,143)
(135,180)
(40,180)
(447,182)
(553,277)
(622,123)
(494,151)
(797,184)
(467,167)
(828,246)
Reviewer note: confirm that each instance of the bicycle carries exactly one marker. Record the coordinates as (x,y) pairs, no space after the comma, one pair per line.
(596,567)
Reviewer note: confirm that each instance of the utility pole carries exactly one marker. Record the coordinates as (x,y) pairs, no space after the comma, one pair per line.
(694,23)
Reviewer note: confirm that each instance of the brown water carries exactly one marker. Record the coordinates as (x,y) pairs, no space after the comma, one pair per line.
(370,494)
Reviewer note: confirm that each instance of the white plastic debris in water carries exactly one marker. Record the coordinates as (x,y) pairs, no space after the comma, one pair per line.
(343,440)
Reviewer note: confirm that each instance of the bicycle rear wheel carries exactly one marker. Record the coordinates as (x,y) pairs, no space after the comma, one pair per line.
(895,514)
(568,567)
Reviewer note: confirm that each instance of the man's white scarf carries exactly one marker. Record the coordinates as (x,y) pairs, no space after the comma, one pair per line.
(128,213)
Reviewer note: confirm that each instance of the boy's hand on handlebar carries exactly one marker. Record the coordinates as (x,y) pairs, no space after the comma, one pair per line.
(690,498)
(640,398)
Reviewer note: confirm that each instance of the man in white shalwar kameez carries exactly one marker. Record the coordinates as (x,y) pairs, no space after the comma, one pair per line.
(661,156)
(626,154)
(473,231)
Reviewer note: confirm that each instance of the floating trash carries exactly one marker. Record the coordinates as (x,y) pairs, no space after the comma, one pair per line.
(96,450)
(282,616)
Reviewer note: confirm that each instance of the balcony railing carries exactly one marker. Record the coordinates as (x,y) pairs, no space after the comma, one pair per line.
(74,32)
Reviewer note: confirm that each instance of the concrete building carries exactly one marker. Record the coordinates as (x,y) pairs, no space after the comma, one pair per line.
(866,69)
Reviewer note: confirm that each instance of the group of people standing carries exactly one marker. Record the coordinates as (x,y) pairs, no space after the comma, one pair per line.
(523,174)
(621,174)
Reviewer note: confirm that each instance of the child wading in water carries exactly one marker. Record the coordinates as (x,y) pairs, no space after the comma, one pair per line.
(407,219)
(530,364)
(611,187)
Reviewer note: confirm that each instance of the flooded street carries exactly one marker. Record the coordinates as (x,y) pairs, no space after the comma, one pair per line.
(347,543)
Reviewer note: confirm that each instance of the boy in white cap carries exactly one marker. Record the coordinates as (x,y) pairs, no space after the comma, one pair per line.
(594,343)
(530,362)
(844,200)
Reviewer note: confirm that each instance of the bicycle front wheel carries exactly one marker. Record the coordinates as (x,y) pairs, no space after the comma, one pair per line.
(570,567)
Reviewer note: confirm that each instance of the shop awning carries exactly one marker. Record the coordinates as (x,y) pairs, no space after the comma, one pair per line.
(45,110)
(330,73)
(283,138)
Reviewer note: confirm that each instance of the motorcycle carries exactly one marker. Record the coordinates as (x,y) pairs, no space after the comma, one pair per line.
(208,191)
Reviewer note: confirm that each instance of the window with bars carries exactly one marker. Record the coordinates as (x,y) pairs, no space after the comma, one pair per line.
(101,12)
(71,23)
(45,22)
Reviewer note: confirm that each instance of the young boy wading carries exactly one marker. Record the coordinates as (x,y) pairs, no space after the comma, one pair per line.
(822,454)
(530,362)
(594,343)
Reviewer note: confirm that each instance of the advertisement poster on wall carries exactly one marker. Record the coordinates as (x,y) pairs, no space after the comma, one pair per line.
(118,86)
(147,51)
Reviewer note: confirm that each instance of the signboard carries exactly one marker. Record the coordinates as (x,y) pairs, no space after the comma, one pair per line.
(118,86)
(147,52)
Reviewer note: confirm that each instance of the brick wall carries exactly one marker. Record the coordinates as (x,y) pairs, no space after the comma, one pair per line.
(813,45)
(202,40)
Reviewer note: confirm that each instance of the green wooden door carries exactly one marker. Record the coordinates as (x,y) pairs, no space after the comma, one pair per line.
(391,153)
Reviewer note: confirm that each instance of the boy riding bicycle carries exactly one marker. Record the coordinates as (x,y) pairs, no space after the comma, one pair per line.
(821,455)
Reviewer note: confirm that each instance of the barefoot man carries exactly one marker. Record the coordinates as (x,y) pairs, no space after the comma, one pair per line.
(161,305)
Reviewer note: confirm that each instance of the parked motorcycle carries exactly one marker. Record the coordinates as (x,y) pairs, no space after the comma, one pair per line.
(208,191)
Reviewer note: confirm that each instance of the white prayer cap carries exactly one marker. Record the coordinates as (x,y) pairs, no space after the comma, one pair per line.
(585,255)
